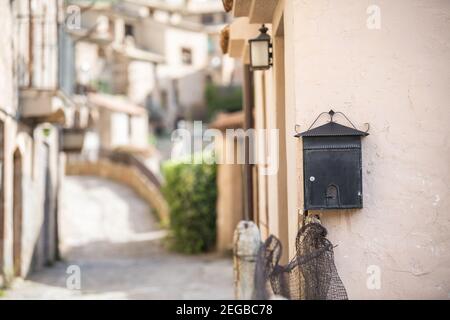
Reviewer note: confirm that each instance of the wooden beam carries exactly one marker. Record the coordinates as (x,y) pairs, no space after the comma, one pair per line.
(241,8)
(261,11)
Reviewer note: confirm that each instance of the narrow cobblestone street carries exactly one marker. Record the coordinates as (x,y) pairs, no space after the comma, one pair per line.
(111,234)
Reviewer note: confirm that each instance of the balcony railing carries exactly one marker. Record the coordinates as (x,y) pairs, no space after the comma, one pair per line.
(37,44)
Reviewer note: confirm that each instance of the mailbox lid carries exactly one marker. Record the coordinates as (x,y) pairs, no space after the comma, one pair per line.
(332,129)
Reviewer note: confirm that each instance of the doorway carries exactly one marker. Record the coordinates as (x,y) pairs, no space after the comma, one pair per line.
(43,254)
(46,226)
(17,213)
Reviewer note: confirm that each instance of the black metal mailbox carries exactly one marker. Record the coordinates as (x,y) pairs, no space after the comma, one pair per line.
(332,166)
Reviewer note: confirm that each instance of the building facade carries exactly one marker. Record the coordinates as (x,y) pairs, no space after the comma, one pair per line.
(385,65)
(32,114)
(159,55)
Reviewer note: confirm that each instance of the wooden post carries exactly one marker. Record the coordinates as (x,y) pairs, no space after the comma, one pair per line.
(248,105)
(247,241)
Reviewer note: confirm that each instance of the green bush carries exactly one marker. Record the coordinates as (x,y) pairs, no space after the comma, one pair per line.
(191,192)
(223,99)
(101,86)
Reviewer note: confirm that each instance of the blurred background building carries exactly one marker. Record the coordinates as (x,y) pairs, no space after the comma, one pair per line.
(89,87)
(34,109)
(162,55)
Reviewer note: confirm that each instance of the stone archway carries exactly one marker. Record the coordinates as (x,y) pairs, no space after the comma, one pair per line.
(130,175)
(17,213)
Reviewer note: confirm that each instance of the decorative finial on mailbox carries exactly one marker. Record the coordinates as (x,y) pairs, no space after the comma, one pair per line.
(331,113)
(332,128)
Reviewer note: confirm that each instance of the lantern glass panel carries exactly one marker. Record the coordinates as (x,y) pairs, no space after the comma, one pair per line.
(260,54)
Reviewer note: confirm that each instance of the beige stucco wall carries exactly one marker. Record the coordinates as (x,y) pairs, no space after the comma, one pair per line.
(278,214)
(230,188)
(397,79)
(262,201)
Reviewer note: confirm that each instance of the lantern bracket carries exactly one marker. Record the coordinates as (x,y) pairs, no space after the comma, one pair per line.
(264,30)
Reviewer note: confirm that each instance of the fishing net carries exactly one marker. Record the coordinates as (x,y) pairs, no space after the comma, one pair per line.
(311,274)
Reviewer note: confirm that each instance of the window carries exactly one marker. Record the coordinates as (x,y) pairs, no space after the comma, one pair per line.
(224,17)
(207,19)
(176,91)
(186,56)
(101,53)
(129,30)
(164,100)
(130,129)
(211,45)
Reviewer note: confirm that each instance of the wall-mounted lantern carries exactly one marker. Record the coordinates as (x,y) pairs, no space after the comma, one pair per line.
(261,50)
(332,166)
